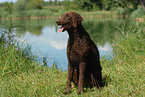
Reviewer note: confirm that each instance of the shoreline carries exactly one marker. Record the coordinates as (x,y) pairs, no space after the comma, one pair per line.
(53,17)
(50,15)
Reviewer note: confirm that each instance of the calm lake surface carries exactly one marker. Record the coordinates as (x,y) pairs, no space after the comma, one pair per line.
(48,44)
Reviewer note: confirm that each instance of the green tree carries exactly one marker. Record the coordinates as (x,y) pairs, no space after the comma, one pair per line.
(20,5)
(31,5)
(28,4)
(134,3)
(126,3)
(98,3)
(8,7)
(82,4)
(38,4)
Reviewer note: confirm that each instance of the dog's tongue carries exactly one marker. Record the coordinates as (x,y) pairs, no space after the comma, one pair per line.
(60,29)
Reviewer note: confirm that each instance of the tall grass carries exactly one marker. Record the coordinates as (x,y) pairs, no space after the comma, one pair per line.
(128,65)
(21,76)
(50,12)
(13,59)
(43,13)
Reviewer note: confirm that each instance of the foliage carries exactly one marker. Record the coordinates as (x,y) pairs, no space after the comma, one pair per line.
(137,13)
(30,14)
(56,3)
(123,11)
(98,3)
(20,5)
(111,4)
(107,4)
(34,4)
(129,63)
(142,4)
(27,4)
(131,43)
(13,57)
(85,5)
(8,7)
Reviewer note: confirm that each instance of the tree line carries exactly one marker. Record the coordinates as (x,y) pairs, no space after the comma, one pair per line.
(108,4)
(86,5)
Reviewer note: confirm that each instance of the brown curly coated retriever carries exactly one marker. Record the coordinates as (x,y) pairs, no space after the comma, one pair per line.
(84,67)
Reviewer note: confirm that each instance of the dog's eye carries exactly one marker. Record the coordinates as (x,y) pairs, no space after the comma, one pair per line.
(67,15)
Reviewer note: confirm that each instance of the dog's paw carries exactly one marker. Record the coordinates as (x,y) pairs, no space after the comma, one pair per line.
(67,91)
(80,91)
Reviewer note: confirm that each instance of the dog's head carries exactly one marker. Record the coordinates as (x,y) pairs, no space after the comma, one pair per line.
(69,20)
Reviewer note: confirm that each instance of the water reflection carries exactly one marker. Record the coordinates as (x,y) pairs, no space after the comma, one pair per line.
(49,44)
(46,41)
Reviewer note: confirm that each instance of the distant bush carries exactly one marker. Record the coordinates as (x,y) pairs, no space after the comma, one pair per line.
(27,5)
(137,13)
(84,5)
(122,11)
(5,14)
(19,5)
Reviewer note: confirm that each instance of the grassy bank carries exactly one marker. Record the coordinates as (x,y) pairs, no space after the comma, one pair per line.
(127,69)
(57,11)
(53,12)
(21,76)
(45,10)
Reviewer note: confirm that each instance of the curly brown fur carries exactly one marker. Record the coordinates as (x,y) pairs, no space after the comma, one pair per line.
(84,67)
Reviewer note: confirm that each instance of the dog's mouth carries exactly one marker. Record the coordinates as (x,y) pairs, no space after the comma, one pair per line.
(61,29)
(63,25)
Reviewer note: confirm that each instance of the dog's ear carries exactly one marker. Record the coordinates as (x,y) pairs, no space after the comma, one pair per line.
(76,19)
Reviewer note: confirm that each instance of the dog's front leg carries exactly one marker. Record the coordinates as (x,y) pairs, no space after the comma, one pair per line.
(69,79)
(82,69)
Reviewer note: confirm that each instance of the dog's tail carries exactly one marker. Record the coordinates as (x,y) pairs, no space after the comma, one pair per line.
(103,81)
(105,77)
(101,84)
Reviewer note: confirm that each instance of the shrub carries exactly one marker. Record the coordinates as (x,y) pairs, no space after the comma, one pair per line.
(137,13)
(122,11)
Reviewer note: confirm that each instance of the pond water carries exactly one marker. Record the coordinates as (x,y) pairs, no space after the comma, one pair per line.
(50,45)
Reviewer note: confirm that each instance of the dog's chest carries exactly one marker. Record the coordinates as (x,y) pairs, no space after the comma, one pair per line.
(80,46)
(78,50)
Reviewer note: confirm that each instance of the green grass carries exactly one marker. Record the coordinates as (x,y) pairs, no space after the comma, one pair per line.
(128,67)
(100,14)
(50,12)
(45,13)
(21,76)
